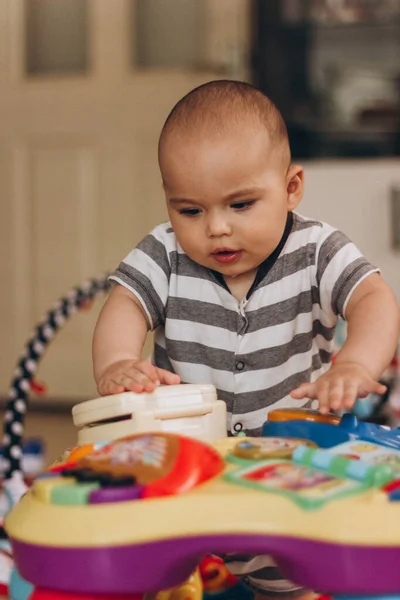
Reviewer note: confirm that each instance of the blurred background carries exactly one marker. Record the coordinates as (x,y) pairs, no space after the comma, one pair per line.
(85,86)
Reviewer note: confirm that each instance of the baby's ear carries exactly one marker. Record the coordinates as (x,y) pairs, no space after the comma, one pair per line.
(294,186)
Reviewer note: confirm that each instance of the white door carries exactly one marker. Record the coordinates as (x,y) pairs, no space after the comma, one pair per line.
(85,86)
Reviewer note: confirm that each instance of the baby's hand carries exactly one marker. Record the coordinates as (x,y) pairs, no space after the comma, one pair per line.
(340,387)
(134,376)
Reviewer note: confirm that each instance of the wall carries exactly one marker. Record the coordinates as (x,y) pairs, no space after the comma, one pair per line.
(55,428)
(354,196)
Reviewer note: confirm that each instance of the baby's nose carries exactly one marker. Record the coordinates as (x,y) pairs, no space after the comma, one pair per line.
(218,226)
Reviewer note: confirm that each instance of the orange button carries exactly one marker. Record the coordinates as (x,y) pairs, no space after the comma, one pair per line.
(80,451)
(301,414)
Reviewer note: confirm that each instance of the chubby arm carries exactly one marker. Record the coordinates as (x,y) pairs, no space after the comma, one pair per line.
(373,318)
(118,342)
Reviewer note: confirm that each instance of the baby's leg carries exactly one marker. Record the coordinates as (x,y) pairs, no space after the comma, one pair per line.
(262,576)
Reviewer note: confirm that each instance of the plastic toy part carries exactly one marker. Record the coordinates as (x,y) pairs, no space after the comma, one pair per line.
(19,589)
(344,467)
(326,435)
(80,452)
(133,468)
(393,491)
(163,463)
(219,583)
(186,408)
(191,589)
(301,414)
(267,447)
(366,597)
(115,494)
(45,594)
(215,575)
(309,488)
(370,454)
(323,435)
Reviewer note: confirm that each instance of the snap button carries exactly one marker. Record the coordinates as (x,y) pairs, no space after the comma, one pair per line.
(238,427)
(240,366)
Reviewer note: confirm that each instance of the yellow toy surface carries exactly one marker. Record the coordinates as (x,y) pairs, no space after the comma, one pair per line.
(213,506)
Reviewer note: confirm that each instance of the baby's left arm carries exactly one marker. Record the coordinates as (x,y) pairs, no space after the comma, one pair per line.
(373,319)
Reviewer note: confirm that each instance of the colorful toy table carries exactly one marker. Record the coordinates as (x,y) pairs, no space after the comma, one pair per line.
(138,514)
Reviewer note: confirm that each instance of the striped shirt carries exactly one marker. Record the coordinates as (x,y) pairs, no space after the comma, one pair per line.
(255,352)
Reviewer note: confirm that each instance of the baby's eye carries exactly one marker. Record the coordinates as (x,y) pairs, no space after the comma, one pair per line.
(190,212)
(242,205)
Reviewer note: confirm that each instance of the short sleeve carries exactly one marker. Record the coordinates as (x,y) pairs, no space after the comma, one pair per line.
(340,268)
(145,271)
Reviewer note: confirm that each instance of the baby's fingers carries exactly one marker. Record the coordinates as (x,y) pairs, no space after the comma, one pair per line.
(145,368)
(107,387)
(350,395)
(168,378)
(323,396)
(304,390)
(371,386)
(137,381)
(378,388)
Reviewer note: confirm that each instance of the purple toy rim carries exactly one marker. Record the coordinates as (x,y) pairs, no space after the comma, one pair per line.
(115,494)
(326,567)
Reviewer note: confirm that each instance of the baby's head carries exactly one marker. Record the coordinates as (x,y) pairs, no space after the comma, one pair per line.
(225,163)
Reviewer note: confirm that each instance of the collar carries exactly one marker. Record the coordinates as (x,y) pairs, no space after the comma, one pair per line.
(267,264)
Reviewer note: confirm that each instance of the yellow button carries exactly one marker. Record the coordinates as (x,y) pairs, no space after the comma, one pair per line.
(43,488)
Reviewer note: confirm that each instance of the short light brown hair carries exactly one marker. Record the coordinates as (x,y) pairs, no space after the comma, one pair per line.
(216,106)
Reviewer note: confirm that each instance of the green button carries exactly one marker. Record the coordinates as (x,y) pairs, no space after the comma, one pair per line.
(43,488)
(72,494)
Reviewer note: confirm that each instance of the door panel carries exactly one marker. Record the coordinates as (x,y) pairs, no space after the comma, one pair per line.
(79,181)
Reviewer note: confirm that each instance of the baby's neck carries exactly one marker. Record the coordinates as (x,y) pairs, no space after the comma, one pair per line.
(240,284)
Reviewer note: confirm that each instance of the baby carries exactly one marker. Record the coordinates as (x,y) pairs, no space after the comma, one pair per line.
(241,291)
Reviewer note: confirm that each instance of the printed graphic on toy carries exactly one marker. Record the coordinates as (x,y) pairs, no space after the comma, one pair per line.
(267,447)
(308,487)
(373,454)
(141,466)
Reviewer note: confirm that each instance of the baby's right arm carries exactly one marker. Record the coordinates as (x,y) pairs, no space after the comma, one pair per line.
(118,342)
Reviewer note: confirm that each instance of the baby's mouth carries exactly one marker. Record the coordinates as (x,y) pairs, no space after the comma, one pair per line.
(226,255)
